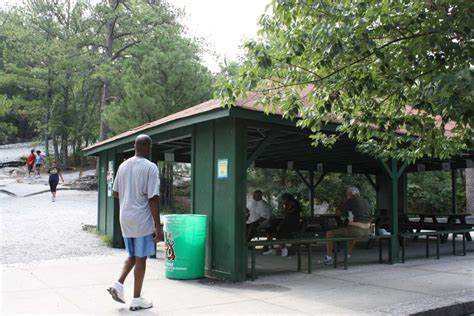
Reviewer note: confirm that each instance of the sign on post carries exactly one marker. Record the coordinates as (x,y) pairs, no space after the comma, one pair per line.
(222,168)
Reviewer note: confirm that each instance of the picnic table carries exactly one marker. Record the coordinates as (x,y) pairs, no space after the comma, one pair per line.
(323,222)
(453,221)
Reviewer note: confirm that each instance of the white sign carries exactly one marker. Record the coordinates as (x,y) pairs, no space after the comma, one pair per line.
(110,177)
(222,168)
(349,169)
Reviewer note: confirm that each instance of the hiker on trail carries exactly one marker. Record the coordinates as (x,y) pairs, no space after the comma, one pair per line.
(137,186)
(54,174)
(39,162)
(30,162)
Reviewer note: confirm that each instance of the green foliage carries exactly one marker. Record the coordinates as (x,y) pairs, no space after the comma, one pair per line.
(377,67)
(46,73)
(6,128)
(430,192)
(58,56)
(332,189)
(161,76)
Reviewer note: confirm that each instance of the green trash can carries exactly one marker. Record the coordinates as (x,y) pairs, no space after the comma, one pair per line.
(185,240)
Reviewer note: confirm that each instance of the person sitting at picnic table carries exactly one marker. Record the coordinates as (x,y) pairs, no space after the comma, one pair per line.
(359,212)
(289,224)
(259,214)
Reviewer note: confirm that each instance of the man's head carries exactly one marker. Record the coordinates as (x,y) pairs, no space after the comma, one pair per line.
(32,151)
(257,195)
(143,145)
(38,152)
(352,191)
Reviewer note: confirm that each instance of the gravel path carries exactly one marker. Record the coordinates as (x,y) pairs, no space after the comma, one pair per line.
(34,228)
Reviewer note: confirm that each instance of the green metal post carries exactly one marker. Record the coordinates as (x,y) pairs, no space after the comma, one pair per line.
(311,193)
(117,240)
(219,188)
(453,191)
(394,218)
(102,191)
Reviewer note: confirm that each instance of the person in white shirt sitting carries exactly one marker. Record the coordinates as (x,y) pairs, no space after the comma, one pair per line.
(259,214)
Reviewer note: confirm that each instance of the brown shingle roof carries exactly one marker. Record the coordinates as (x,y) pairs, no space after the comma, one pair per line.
(247,103)
(195,110)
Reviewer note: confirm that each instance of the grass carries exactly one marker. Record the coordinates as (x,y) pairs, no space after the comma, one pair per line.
(106,239)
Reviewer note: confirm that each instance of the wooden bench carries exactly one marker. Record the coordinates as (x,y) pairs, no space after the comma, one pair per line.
(307,242)
(438,235)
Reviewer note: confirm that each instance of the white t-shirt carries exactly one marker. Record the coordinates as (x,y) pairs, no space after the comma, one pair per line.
(137,180)
(257,210)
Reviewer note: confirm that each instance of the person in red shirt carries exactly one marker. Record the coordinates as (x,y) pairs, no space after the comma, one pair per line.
(30,162)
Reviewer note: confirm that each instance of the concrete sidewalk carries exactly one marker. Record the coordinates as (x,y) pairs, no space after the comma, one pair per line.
(78,286)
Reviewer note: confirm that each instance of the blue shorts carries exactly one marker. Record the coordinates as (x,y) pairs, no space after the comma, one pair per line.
(140,246)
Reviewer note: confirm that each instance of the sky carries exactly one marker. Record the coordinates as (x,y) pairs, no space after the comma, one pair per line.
(222,23)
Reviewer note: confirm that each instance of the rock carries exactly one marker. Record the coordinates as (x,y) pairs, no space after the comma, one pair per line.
(86,183)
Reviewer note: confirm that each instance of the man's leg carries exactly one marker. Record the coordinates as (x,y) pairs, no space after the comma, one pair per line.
(139,272)
(351,246)
(116,289)
(329,244)
(251,230)
(127,267)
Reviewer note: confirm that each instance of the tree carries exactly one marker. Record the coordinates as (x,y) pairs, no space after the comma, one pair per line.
(162,75)
(47,73)
(377,67)
(121,25)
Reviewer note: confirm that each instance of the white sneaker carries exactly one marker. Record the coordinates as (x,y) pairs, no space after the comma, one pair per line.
(116,290)
(327,260)
(140,303)
(284,252)
(269,252)
(53,199)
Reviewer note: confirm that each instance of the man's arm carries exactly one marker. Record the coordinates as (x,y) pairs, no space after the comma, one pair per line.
(155,212)
(342,206)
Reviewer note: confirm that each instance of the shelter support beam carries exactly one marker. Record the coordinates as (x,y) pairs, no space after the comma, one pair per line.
(219,186)
(453,191)
(394,173)
(311,187)
(272,135)
(372,183)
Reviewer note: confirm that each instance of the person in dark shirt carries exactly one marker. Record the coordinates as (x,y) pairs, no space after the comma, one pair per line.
(359,212)
(54,174)
(289,224)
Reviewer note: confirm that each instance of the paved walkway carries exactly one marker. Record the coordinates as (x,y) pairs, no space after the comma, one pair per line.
(78,286)
(48,264)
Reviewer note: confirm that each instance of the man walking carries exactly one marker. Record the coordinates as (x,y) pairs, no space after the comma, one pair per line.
(137,186)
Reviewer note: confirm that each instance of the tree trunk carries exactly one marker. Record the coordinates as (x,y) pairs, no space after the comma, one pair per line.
(104,126)
(106,87)
(64,151)
(55,147)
